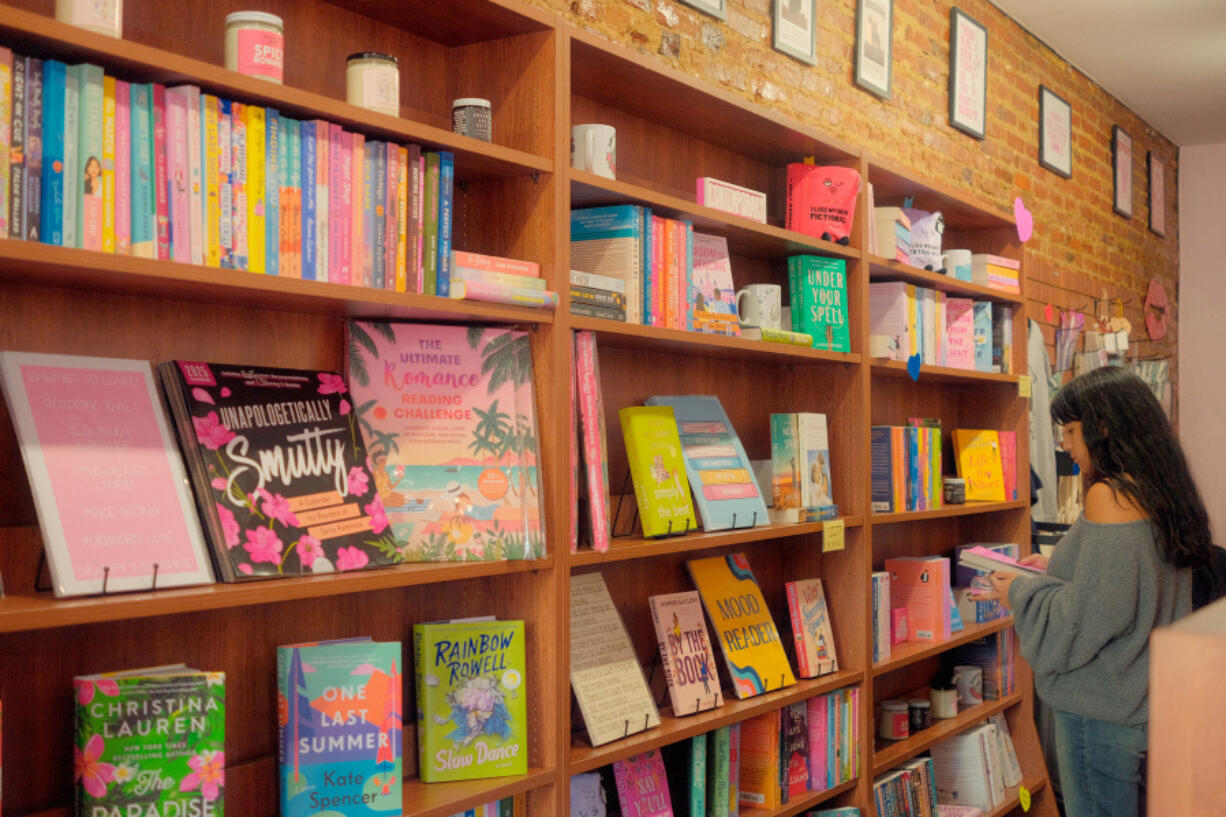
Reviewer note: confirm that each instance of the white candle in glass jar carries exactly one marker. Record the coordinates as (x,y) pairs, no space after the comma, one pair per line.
(103,16)
(372,81)
(255,45)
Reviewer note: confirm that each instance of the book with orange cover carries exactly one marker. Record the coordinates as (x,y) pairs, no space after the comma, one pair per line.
(921,585)
(977,454)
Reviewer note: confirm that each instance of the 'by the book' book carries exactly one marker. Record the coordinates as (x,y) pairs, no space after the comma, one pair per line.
(449,416)
(150,741)
(661,489)
(340,719)
(815,653)
(472,710)
(685,651)
(642,786)
(278,468)
(747,635)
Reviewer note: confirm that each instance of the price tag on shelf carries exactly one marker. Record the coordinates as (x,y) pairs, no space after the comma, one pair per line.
(1023,386)
(1023,796)
(832,535)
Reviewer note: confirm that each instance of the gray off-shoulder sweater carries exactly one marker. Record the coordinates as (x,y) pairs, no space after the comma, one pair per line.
(1084,627)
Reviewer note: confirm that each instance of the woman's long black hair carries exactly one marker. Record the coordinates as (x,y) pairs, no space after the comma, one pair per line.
(1134,450)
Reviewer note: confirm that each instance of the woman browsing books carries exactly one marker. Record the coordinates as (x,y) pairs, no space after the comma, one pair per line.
(1122,569)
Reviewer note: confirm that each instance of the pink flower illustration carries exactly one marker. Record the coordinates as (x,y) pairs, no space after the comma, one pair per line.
(378,517)
(351,558)
(309,549)
(229,525)
(330,383)
(277,507)
(245,569)
(358,481)
(264,546)
(86,689)
(218,484)
(88,768)
(211,433)
(345,407)
(208,774)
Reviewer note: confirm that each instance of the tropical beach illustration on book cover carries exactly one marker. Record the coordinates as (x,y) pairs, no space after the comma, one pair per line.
(446,413)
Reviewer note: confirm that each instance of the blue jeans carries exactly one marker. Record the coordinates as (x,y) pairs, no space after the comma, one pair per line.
(1101,765)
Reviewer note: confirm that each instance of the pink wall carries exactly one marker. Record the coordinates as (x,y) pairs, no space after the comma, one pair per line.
(1202,340)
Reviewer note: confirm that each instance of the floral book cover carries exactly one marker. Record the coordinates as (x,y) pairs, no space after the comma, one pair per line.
(642,786)
(339,710)
(150,743)
(472,709)
(279,470)
(447,413)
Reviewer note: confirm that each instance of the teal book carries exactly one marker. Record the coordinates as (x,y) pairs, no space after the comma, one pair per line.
(74,86)
(150,741)
(982,311)
(142,170)
(686,766)
(339,710)
(817,287)
(718,763)
(472,714)
(51,215)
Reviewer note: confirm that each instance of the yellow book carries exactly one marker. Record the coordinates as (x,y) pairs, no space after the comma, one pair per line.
(743,625)
(653,450)
(212,181)
(977,454)
(402,226)
(254,116)
(108,164)
(724,476)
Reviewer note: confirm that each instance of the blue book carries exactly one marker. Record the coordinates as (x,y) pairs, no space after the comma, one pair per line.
(341,736)
(52,216)
(881,470)
(983,336)
(726,497)
(370,152)
(446,191)
(598,234)
(34,149)
(274,138)
(310,223)
(379,278)
(649,272)
(142,168)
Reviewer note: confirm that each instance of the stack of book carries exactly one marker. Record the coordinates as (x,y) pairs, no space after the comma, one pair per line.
(501,280)
(995,272)
(974,768)
(907,791)
(800,468)
(594,295)
(962,333)
(893,234)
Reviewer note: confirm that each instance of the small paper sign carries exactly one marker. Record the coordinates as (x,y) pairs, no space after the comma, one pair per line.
(1023,386)
(1023,796)
(832,535)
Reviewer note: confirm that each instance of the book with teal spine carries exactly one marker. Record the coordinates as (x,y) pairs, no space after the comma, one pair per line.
(817,287)
(340,716)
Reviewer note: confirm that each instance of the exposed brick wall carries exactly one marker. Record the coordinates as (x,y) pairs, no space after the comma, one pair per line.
(1080,246)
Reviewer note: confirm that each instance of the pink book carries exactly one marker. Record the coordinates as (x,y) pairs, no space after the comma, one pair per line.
(960,333)
(574,463)
(357,245)
(338,273)
(195,176)
(734,767)
(494,263)
(123,168)
(345,214)
(323,154)
(177,170)
(642,788)
(685,652)
(657,270)
(1008,461)
(161,188)
(391,215)
(593,439)
(818,743)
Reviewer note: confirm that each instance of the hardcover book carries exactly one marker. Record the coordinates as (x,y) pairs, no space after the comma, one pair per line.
(685,652)
(278,469)
(977,455)
(642,786)
(661,489)
(472,709)
(604,672)
(109,486)
(150,741)
(452,442)
(815,653)
(813,449)
(720,766)
(593,443)
(817,288)
(785,469)
(746,632)
(715,462)
(921,585)
(340,721)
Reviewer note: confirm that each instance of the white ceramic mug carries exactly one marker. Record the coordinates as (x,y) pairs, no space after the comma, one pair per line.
(969,682)
(957,264)
(594,148)
(759,305)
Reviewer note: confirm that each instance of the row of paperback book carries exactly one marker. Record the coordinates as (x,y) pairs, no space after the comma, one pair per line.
(962,333)
(906,465)
(426,452)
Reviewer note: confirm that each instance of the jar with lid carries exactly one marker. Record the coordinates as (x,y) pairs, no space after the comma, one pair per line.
(471,116)
(372,81)
(920,713)
(103,16)
(894,721)
(255,45)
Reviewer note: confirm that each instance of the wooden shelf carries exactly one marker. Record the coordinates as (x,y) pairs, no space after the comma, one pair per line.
(883,269)
(745,237)
(891,185)
(909,652)
(1012,800)
(627,547)
(44,264)
(965,509)
(901,751)
(676,341)
(804,803)
(940,374)
(671,730)
(20,612)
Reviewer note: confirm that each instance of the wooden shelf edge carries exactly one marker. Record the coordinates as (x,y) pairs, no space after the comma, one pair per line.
(904,750)
(635,548)
(897,269)
(909,652)
(965,509)
(671,730)
(444,799)
(813,798)
(946,374)
(1012,800)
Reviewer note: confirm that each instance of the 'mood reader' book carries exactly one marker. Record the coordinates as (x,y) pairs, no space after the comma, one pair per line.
(278,469)
(108,483)
(340,717)
(448,415)
(685,651)
(743,624)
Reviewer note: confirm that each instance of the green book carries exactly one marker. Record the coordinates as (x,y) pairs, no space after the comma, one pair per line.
(661,489)
(150,741)
(717,774)
(818,290)
(472,711)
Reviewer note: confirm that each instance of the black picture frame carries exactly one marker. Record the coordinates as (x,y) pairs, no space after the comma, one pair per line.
(968,74)
(1121,167)
(1055,133)
(874,58)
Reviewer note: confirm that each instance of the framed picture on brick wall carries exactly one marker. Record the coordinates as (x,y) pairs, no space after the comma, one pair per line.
(716,8)
(874,45)
(968,73)
(795,29)
(1157,193)
(1055,133)
(1121,161)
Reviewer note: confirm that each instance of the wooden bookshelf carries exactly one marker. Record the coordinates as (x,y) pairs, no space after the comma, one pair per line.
(948,512)
(895,753)
(940,374)
(883,269)
(909,652)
